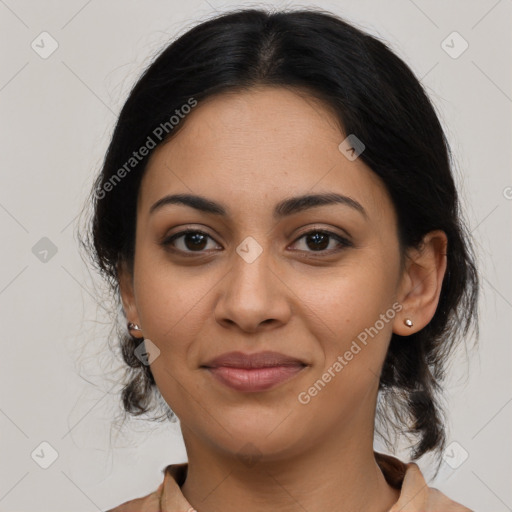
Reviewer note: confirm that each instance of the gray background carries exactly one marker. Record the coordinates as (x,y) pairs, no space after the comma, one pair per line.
(58,375)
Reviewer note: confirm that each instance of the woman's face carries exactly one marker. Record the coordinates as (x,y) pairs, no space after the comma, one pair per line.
(255,281)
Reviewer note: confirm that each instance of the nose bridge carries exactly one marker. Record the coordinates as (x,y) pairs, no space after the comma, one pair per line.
(250,294)
(250,267)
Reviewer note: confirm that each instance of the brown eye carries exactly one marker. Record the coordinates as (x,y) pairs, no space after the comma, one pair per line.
(189,240)
(319,241)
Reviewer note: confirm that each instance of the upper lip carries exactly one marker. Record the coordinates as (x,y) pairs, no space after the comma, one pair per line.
(258,360)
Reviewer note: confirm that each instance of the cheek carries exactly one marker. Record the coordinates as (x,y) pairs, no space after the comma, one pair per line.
(170,298)
(172,309)
(353,337)
(352,323)
(345,300)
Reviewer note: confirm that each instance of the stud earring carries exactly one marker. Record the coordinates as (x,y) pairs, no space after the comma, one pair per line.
(408,322)
(133,327)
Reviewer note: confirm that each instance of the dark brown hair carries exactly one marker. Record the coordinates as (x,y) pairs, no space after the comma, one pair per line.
(374,95)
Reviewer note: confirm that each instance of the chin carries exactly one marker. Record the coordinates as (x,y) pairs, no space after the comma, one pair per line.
(270,440)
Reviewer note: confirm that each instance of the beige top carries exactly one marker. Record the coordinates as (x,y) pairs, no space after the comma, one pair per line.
(415,495)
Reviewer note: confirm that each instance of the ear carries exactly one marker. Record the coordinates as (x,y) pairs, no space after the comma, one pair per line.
(125,279)
(421,282)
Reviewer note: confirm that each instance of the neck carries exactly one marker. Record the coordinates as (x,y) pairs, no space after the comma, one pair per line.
(341,475)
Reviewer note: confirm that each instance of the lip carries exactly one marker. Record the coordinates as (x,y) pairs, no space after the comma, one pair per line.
(264,359)
(254,372)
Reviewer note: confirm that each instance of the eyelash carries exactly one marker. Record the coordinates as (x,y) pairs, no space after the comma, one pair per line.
(343,242)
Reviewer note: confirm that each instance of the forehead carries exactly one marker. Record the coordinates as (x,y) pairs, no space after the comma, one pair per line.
(253,148)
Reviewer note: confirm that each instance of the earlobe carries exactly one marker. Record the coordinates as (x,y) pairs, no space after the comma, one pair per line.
(422,282)
(125,280)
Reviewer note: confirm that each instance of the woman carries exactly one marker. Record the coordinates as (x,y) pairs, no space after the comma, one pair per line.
(277,215)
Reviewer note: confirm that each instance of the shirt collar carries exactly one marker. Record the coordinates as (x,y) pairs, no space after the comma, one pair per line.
(405,477)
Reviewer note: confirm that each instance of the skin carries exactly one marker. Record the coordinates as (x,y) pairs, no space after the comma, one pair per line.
(248,151)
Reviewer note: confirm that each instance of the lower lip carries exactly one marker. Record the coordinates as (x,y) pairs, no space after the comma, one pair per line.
(254,379)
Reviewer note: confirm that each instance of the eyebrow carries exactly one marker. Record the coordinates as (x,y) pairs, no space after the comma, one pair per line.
(282,209)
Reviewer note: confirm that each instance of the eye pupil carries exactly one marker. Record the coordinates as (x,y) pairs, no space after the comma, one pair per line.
(319,241)
(198,240)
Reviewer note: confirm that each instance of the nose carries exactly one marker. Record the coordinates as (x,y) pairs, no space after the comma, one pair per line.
(253,297)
